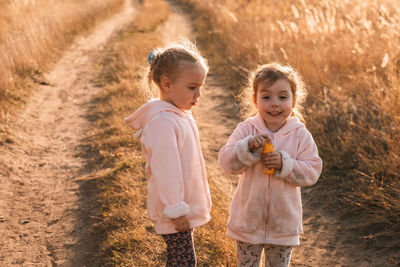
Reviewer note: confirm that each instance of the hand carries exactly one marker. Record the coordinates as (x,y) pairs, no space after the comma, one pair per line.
(182,223)
(273,160)
(258,141)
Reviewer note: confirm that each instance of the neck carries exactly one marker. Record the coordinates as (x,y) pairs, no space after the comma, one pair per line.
(275,128)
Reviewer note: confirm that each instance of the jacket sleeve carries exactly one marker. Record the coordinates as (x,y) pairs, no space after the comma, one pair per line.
(306,168)
(236,156)
(160,138)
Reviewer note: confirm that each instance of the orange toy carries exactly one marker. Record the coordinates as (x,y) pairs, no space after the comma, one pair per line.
(268,147)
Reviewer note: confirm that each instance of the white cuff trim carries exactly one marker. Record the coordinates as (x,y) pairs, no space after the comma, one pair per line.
(177,210)
(287,165)
(244,154)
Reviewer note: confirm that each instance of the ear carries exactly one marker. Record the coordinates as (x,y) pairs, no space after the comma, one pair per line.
(165,83)
(255,99)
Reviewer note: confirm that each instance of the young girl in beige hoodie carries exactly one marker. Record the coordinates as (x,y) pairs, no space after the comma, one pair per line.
(266,210)
(178,193)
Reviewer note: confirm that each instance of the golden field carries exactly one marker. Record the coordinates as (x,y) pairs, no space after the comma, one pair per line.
(33,33)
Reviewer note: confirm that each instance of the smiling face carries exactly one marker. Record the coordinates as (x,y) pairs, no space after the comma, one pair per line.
(184,89)
(274,103)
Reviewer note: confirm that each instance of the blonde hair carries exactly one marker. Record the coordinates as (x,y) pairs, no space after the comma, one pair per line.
(166,60)
(269,74)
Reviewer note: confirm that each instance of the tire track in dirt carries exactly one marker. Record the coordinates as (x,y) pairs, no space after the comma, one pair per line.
(43,217)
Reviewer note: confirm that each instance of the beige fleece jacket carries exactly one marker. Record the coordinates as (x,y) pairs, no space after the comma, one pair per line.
(175,168)
(268,208)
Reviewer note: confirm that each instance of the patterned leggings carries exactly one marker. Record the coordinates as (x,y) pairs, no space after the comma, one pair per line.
(249,255)
(180,249)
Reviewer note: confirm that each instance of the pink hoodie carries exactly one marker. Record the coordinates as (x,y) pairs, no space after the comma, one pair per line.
(175,168)
(267,208)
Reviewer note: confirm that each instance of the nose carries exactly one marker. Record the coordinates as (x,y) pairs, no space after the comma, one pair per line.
(274,102)
(198,92)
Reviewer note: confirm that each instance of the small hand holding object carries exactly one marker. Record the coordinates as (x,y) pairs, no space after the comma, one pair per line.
(182,223)
(273,160)
(257,142)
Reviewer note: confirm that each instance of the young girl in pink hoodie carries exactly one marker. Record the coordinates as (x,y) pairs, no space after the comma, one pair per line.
(178,194)
(266,210)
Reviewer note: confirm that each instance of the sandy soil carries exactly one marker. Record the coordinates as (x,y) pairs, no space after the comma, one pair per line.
(45,212)
(44,215)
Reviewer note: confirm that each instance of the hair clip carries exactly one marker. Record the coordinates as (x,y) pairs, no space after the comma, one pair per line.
(151,57)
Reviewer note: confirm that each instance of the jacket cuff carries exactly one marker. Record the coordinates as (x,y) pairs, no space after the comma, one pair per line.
(177,210)
(244,154)
(287,165)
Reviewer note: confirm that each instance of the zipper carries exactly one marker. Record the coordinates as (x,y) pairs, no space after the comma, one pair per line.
(268,194)
(267,208)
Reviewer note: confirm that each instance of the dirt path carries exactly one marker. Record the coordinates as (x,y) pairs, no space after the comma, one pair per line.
(42,221)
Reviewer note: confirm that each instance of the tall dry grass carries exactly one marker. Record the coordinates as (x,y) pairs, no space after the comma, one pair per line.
(32,35)
(349,54)
(127,235)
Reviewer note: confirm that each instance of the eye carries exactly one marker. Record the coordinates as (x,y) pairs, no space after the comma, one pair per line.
(193,87)
(266,97)
(283,97)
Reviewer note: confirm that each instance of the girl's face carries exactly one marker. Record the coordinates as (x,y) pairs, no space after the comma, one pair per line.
(184,90)
(274,103)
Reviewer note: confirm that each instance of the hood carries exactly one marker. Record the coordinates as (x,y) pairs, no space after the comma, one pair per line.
(143,115)
(292,124)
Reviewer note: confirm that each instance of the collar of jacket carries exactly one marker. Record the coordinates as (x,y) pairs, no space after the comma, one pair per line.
(292,124)
(141,116)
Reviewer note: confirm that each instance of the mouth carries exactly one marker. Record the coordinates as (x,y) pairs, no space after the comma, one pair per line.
(274,113)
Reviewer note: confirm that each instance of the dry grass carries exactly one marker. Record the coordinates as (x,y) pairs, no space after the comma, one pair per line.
(32,35)
(128,235)
(348,53)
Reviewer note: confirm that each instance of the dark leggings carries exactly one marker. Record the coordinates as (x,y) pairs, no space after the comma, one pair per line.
(180,249)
